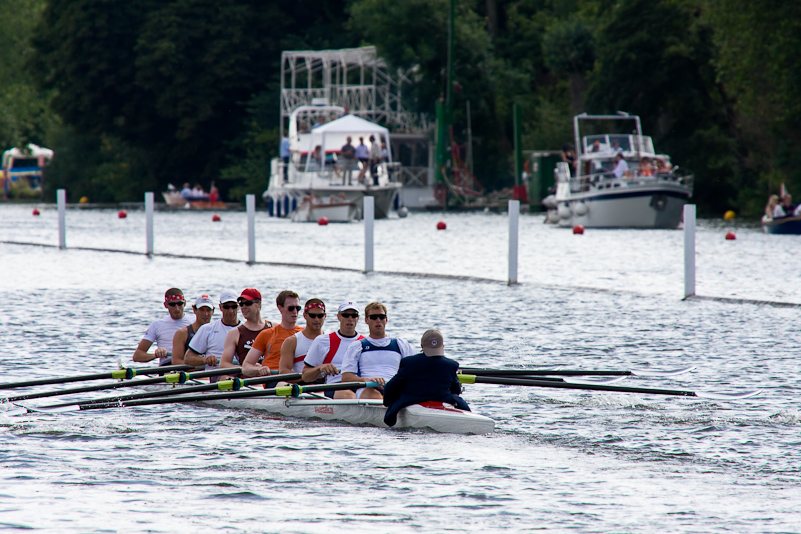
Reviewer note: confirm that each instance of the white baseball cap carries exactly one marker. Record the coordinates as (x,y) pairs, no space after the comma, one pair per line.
(204,300)
(228,296)
(348,305)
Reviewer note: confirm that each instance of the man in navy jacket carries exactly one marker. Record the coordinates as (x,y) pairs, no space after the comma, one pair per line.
(429,376)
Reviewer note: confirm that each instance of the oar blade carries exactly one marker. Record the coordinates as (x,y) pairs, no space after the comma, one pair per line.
(728,396)
(661,374)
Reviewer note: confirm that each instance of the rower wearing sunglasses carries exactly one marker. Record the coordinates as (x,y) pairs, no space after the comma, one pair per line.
(203,309)
(325,355)
(268,342)
(239,340)
(162,331)
(375,358)
(295,348)
(207,345)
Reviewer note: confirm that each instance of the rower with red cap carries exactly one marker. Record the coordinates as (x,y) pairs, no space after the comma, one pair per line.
(425,377)
(162,331)
(295,348)
(239,340)
(203,309)
(326,352)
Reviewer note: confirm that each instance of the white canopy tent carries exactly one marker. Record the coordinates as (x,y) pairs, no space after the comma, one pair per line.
(333,135)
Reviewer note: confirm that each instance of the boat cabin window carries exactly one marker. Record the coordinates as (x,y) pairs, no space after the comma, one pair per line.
(24,163)
(620,142)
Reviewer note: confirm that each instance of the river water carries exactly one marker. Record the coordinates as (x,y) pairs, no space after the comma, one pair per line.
(560,460)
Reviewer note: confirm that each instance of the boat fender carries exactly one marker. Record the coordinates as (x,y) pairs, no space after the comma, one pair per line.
(580,208)
(549,201)
(658,202)
(564,211)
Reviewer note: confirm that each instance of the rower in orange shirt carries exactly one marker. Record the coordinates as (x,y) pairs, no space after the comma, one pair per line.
(268,342)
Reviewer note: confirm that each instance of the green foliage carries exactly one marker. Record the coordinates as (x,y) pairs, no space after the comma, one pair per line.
(569,47)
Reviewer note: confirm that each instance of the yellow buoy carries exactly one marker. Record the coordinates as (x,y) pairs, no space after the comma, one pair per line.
(84,200)
(729,215)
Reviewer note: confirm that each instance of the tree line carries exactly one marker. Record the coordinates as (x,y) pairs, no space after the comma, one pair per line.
(135,94)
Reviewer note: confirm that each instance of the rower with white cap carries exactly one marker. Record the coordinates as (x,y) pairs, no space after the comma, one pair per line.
(326,352)
(203,309)
(426,377)
(207,346)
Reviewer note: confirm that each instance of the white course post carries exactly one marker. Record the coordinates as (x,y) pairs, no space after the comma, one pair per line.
(514,219)
(149,223)
(369,222)
(250,203)
(61,199)
(689,250)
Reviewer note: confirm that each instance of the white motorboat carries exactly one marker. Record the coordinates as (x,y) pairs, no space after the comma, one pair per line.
(646,191)
(306,175)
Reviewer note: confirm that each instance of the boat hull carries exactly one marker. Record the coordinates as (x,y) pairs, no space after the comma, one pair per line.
(335,212)
(784,226)
(434,416)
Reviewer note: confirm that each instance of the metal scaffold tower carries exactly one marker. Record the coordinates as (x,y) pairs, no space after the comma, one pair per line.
(353,78)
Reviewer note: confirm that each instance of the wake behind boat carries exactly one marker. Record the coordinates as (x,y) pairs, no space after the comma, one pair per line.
(644,191)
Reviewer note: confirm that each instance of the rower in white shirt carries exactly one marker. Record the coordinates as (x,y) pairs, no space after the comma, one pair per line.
(206,347)
(162,331)
(295,348)
(375,358)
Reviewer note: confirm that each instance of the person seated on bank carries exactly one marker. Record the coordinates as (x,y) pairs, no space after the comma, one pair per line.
(773,201)
(645,167)
(425,377)
(621,167)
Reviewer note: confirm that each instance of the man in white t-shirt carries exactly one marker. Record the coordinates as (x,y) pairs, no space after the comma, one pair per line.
(325,355)
(162,331)
(375,358)
(621,167)
(207,345)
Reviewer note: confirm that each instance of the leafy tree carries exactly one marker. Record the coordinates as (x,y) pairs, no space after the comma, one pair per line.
(570,51)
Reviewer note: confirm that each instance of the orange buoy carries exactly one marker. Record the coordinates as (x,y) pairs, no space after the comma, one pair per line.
(441,225)
(322,221)
(215,218)
(730,236)
(35,212)
(122,214)
(578,230)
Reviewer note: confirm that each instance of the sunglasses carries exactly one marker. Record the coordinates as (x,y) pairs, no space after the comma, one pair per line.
(243,302)
(315,315)
(294,308)
(172,304)
(229,306)
(349,315)
(377,316)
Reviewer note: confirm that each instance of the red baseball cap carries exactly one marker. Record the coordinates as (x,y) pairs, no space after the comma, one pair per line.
(250,294)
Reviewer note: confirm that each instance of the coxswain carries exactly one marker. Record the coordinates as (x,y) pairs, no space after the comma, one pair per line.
(162,331)
(375,358)
(239,340)
(268,343)
(207,345)
(425,377)
(295,348)
(203,309)
(326,352)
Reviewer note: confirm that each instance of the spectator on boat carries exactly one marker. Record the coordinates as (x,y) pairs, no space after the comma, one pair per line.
(295,348)
(645,167)
(162,331)
(203,309)
(239,340)
(347,161)
(569,155)
(773,201)
(621,167)
(783,208)
(596,146)
(316,159)
(375,358)
(425,377)
(326,352)
(662,166)
(285,156)
(197,191)
(186,192)
(268,342)
(384,152)
(214,194)
(208,344)
(363,155)
(375,159)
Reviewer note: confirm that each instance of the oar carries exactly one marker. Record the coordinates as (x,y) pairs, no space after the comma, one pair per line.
(479,371)
(170,378)
(234,384)
(125,373)
(473,379)
(292,390)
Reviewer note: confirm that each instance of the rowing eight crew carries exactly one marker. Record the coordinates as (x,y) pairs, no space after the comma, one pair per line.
(258,347)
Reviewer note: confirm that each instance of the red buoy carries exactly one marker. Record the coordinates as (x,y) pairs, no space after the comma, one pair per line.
(730,236)
(578,230)
(441,225)
(122,214)
(322,221)
(215,218)
(35,212)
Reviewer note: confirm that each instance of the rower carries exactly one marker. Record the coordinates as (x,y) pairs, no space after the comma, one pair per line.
(295,348)
(239,340)
(325,354)
(206,347)
(375,358)
(203,309)
(425,377)
(162,331)
(268,342)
